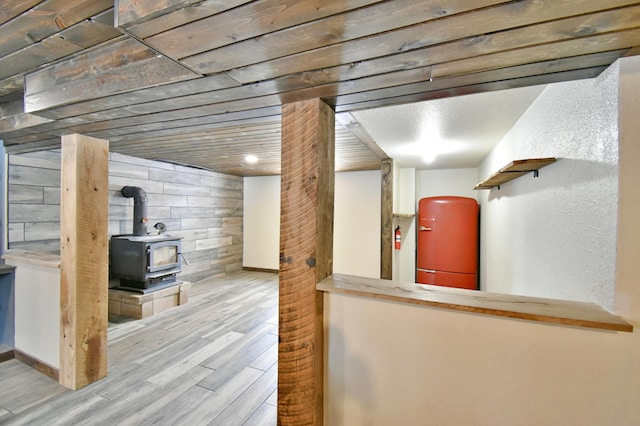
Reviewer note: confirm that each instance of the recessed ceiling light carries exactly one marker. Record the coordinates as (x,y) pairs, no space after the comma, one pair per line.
(251,159)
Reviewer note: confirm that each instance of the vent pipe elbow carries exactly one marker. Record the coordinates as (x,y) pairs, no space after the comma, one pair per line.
(139,208)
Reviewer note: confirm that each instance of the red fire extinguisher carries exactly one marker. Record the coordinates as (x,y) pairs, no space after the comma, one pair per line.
(398,237)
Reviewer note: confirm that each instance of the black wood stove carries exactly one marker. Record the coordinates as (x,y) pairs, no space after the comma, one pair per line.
(144,261)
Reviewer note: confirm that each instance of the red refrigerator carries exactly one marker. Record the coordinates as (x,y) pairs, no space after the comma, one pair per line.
(448,242)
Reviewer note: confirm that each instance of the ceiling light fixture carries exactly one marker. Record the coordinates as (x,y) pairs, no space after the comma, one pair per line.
(251,159)
(428,158)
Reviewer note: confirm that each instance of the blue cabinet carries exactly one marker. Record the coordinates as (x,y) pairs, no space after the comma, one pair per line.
(7,305)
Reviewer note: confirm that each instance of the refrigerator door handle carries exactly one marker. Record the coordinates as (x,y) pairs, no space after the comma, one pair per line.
(430,271)
(424,228)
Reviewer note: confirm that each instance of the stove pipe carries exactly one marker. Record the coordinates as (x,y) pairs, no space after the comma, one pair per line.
(139,208)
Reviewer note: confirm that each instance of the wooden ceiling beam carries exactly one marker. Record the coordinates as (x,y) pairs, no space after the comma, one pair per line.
(376,101)
(11,88)
(431,55)
(109,119)
(513,74)
(351,125)
(355,94)
(175,127)
(209,84)
(41,145)
(552,51)
(122,65)
(12,117)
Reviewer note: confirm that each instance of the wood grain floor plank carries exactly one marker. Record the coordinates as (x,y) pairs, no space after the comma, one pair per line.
(190,359)
(117,410)
(63,411)
(124,330)
(263,416)
(232,364)
(219,400)
(122,379)
(267,358)
(273,399)
(174,346)
(185,364)
(243,407)
(243,343)
(12,368)
(172,413)
(27,388)
(171,397)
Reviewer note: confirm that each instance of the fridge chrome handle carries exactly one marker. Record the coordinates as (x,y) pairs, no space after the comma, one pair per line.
(430,271)
(424,228)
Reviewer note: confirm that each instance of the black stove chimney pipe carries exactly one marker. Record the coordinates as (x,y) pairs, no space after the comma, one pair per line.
(139,208)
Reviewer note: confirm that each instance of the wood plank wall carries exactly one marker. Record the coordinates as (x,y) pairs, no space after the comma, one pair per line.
(203,207)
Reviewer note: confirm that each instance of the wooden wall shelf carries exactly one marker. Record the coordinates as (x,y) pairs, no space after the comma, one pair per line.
(514,170)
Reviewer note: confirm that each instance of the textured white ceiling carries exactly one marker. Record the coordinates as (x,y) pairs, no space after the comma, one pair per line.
(458,132)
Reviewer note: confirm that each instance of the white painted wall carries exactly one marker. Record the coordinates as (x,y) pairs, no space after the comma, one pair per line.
(434,183)
(391,363)
(404,190)
(261,222)
(555,236)
(400,364)
(356,225)
(404,203)
(37,310)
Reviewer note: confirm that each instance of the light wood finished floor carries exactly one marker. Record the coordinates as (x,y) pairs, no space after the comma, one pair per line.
(212,361)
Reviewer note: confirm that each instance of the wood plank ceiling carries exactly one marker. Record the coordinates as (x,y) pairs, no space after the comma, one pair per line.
(202,82)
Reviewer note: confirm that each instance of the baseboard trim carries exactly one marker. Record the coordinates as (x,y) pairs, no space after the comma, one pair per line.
(249,268)
(7,355)
(35,363)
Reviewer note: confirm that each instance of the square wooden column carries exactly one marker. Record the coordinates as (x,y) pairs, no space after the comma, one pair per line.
(84,275)
(306,256)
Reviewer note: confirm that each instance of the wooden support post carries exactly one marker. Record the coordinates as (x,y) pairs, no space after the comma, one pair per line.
(306,256)
(386,220)
(84,275)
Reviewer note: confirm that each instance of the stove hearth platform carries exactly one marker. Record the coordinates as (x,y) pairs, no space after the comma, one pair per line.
(138,305)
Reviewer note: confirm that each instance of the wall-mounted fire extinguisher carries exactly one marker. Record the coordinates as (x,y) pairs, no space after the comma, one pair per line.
(398,237)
